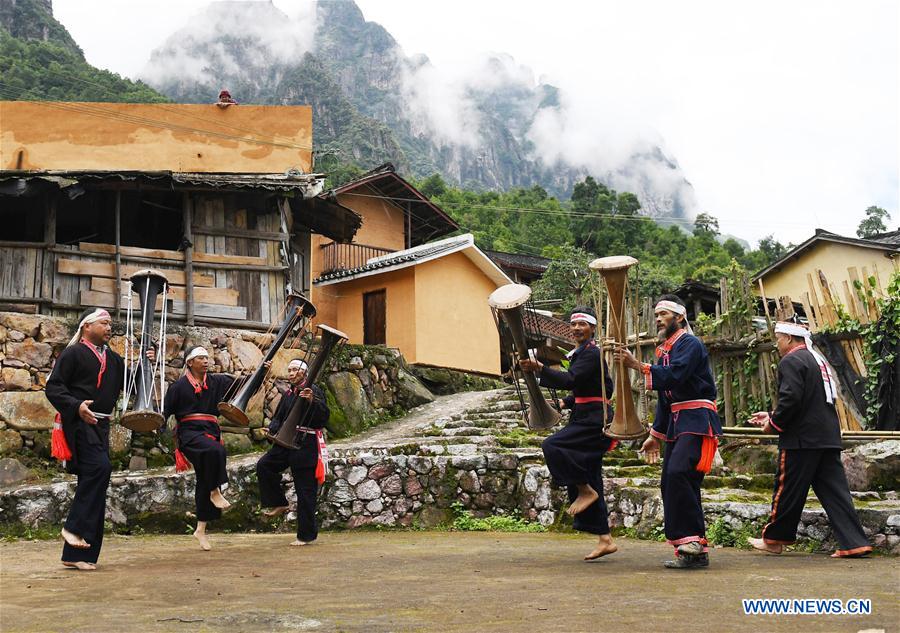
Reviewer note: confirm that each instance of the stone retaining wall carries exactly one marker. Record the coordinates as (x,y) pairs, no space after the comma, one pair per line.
(363,385)
(419,490)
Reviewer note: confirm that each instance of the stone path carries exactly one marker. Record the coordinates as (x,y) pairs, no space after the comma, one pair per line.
(364,581)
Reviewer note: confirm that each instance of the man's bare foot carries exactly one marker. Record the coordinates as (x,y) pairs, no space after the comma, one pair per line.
(761,545)
(299,543)
(74,540)
(80,565)
(218,500)
(275,512)
(204,542)
(586,496)
(604,546)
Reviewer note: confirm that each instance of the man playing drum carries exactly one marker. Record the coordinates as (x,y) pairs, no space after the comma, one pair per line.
(193,400)
(303,461)
(574,454)
(686,422)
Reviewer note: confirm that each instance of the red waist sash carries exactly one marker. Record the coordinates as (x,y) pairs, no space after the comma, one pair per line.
(587,399)
(694,404)
(199,417)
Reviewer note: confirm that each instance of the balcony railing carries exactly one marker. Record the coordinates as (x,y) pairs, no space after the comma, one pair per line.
(348,256)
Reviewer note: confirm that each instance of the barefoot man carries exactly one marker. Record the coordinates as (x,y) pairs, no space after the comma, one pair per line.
(687,422)
(193,399)
(574,454)
(306,463)
(83,387)
(809,448)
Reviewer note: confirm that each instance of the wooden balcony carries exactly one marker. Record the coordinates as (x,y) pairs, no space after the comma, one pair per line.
(339,256)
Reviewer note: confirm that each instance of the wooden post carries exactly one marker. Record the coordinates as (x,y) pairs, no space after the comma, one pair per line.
(48,285)
(187,219)
(118,255)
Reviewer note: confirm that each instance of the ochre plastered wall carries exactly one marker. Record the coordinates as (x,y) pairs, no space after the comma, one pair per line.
(383,226)
(154,137)
(454,325)
(400,302)
(833,260)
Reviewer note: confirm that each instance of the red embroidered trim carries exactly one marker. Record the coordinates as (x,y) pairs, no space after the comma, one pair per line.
(667,345)
(101,358)
(196,384)
(781,463)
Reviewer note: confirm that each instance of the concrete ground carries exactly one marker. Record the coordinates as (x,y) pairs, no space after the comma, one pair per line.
(424,581)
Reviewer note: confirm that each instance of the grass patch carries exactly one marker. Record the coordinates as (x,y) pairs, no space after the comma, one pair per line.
(465,521)
(722,533)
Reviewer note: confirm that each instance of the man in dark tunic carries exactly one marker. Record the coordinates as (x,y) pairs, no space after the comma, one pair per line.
(306,462)
(193,399)
(83,387)
(809,448)
(686,422)
(574,454)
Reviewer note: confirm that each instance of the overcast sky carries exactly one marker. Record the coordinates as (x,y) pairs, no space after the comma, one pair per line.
(783,115)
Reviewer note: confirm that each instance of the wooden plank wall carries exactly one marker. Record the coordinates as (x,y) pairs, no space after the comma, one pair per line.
(21,271)
(261,292)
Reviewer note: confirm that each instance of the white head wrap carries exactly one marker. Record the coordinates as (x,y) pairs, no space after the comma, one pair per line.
(582,316)
(298,363)
(828,380)
(675,308)
(194,353)
(93,317)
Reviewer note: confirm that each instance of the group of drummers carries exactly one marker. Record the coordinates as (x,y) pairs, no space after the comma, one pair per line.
(88,377)
(87,381)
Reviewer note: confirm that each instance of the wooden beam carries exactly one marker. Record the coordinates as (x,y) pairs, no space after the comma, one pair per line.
(107,300)
(118,253)
(273,236)
(107,269)
(220,296)
(200,259)
(187,220)
(48,282)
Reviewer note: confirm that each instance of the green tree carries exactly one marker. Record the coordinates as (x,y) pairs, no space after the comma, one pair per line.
(706,224)
(567,280)
(873,223)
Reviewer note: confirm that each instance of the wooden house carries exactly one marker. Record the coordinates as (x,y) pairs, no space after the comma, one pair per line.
(222,201)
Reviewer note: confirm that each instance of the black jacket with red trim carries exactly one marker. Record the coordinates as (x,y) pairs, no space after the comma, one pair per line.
(803,417)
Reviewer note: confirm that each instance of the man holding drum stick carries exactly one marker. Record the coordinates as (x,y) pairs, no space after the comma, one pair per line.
(686,423)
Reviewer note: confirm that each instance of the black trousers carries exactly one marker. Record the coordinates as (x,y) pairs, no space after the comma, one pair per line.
(680,487)
(574,455)
(89,505)
(203,449)
(798,469)
(271,495)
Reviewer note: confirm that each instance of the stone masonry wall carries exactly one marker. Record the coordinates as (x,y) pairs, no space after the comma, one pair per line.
(363,385)
(392,489)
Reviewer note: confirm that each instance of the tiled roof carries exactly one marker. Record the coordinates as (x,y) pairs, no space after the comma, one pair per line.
(549,326)
(394,259)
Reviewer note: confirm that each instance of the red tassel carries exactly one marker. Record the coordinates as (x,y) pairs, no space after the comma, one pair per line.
(320,471)
(707,454)
(59,448)
(181,462)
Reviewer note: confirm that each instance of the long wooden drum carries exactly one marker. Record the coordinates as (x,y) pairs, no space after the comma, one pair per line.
(626,425)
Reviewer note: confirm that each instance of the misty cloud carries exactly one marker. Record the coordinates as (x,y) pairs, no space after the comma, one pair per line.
(233,38)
